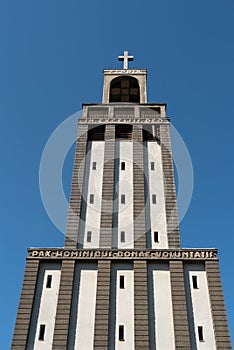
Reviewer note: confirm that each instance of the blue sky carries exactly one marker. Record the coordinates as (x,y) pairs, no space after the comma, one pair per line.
(52,57)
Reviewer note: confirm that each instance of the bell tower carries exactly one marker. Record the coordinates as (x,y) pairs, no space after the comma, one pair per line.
(122,280)
(125,85)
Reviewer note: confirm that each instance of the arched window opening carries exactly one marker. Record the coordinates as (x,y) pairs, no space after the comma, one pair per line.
(125,89)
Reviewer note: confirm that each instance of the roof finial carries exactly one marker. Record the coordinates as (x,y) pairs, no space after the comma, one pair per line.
(125,58)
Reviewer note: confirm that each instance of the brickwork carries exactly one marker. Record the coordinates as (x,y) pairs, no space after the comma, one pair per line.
(169,188)
(218,309)
(180,314)
(138,189)
(25,306)
(64,306)
(108,188)
(76,189)
(141,326)
(102,306)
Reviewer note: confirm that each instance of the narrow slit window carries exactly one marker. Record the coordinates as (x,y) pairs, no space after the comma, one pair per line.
(200,333)
(122,165)
(49,281)
(121,333)
(195,284)
(94,165)
(91,199)
(122,236)
(89,236)
(156,240)
(121,282)
(154,199)
(41,332)
(122,198)
(152,166)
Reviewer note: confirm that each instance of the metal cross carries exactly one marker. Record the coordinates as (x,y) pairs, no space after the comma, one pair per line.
(125,58)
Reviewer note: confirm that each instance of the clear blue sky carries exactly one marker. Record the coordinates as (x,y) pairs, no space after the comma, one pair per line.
(52,56)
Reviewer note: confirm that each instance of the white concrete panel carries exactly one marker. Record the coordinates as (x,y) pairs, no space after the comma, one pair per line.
(125,213)
(125,310)
(93,212)
(202,311)
(47,310)
(164,327)
(86,310)
(156,186)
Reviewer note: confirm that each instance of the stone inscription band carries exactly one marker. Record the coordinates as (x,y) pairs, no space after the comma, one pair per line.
(183,254)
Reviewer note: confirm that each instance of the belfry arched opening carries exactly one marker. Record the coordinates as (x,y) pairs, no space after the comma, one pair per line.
(124,89)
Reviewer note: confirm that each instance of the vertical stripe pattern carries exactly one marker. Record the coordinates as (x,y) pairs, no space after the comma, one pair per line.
(76,189)
(108,188)
(141,305)
(102,306)
(180,314)
(64,305)
(138,189)
(217,306)
(25,306)
(169,188)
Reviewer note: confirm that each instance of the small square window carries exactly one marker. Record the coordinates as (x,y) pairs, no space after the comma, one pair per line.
(121,333)
(156,240)
(122,236)
(154,199)
(91,199)
(41,332)
(122,165)
(200,333)
(122,198)
(94,165)
(49,281)
(89,236)
(195,284)
(152,166)
(121,282)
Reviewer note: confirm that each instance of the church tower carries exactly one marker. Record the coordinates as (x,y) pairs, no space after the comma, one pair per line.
(122,280)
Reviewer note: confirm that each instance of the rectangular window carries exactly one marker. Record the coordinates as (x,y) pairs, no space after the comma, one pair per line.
(121,282)
(41,332)
(200,333)
(122,165)
(152,165)
(89,236)
(94,165)
(122,198)
(91,199)
(121,333)
(195,284)
(154,199)
(122,236)
(156,237)
(49,281)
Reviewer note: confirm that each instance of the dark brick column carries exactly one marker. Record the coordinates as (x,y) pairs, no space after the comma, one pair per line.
(169,188)
(138,189)
(102,306)
(108,188)
(180,315)
(76,189)
(64,306)
(218,309)
(141,306)
(25,305)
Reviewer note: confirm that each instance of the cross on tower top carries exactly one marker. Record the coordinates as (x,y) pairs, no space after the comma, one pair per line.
(125,58)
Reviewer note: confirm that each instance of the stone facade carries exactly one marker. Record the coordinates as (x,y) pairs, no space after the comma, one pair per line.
(180,268)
